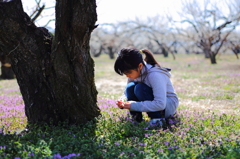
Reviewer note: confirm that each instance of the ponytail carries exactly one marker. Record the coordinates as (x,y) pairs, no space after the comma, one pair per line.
(149,57)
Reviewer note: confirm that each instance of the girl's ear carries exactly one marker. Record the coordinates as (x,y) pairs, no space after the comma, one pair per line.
(140,66)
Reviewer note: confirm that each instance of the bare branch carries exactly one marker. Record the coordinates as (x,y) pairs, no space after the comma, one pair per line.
(39,11)
(195,27)
(48,22)
(223,25)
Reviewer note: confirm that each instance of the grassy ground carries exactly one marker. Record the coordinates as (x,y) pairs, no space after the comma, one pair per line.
(199,84)
(209,111)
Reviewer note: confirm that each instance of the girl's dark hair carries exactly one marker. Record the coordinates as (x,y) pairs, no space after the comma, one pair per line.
(149,57)
(129,59)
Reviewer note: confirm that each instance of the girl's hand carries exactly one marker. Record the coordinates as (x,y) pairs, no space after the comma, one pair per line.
(120,104)
(124,105)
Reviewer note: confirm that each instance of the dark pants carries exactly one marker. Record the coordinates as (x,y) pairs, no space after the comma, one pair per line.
(141,92)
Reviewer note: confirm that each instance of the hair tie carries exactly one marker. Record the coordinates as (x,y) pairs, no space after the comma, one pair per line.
(141,51)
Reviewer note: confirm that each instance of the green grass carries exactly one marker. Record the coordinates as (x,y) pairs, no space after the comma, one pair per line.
(209,114)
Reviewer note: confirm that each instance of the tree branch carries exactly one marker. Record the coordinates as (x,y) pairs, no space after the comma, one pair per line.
(39,11)
(195,27)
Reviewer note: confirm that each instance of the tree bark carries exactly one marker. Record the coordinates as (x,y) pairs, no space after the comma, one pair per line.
(213,59)
(207,52)
(111,52)
(236,52)
(99,52)
(56,77)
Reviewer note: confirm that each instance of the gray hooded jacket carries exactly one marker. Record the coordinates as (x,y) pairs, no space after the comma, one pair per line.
(158,78)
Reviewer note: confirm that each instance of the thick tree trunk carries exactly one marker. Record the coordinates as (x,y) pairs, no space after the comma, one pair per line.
(210,54)
(56,80)
(236,51)
(207,52)
(165,52)
(207,56)
(111,52)
(99,52)
(213,59)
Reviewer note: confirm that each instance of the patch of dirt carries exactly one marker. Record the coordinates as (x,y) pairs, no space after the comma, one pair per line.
(218,106)
(6,85)
(111,86)
(229,67)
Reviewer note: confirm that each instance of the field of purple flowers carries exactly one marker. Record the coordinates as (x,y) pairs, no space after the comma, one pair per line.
(208,127)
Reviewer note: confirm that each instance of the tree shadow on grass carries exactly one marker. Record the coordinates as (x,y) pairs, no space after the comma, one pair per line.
(49,141)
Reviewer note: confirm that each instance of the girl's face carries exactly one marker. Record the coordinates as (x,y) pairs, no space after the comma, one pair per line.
(135,73)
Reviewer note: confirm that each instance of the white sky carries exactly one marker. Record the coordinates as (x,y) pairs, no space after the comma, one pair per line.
(111,11)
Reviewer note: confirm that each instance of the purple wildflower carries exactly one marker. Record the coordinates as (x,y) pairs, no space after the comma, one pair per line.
(31,154)
(57,156)
(166,143)
(117,143)
(142,144)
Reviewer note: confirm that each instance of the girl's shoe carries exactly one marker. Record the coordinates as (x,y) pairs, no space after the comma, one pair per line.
(157,121)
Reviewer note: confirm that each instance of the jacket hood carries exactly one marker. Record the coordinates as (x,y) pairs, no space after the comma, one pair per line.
(150,68)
